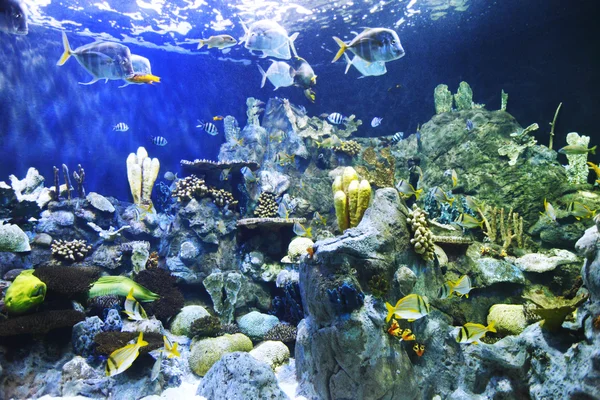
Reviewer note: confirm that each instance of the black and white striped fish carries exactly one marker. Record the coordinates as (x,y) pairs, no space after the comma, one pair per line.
(208,127)
(159,141)
(121,127)
(398,136)
(336,118)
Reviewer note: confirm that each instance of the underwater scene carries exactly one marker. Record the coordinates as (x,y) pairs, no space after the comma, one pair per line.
(300,199)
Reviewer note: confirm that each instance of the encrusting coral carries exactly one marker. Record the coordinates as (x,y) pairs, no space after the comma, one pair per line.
(350,147)
(74,250)
(423,238)
(379,169)
(189,187)
(267,206)
(142,172)
(350,198)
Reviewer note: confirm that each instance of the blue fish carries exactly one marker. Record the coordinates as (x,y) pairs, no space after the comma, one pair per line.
(470,125)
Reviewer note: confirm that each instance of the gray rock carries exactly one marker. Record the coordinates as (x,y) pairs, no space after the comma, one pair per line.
(42,240)
(240,376)
(52,222)
(186,317)
(490,271)
(588,247)
(183,273)
(83,335)
(12,238)
(79,379)
(145,325)
(256,325)
(538,262)
(100,202)
(273,182)
(188,251)
(405,278)
(107,256)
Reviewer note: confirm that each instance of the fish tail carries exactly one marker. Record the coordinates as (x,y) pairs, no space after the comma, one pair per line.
(67,53)
(348,63)
(201,44)
(593,150)
(342,49)
(491,328)
(292,38)
(391,311)
(141,342)
(264,76)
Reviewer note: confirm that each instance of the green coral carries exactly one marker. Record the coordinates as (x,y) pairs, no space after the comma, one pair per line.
(25,293)
(464,97)
(577,170)
(442,98)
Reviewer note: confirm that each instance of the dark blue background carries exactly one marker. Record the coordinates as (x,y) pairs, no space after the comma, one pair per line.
(541,53)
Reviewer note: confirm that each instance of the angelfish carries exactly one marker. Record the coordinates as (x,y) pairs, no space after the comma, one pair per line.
(103,60)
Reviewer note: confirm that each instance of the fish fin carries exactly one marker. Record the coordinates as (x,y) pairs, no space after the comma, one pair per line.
(243,39)
(475,342)
(342,49)
(90,82)
(292,38)
(411,320)
(491,328)
(210,46)
(264,76)
(467,295)
(390,310)
(348,63)
(141,342)
(201,44)
(593,150)
(125,85)
(67,53)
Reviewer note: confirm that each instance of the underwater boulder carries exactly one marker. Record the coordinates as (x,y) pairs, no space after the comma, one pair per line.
(183,321)
(256,325)
(204,353)
(273,353)
(12,238)
(589,245)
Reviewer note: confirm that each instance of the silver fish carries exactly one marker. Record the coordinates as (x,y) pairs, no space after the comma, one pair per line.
(373,44)
(280,74)
(13,17)
(219,41)
(375,122)
(141,66)
(270,38)
(104,60)
(376,68)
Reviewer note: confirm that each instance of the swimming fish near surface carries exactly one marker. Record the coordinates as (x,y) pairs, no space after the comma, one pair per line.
(411,307)
(461,287)
(407,190)
(270,38)
(103,60)
(159,141)
(121,127)
(365,68)
(140,79)
(336,118)
(121,359)
(372,44)
(218,118)
(472,333)
(208,127)
(375,122)
(13,17)
(279,73)
(133,309)
(577,149)
(218,41)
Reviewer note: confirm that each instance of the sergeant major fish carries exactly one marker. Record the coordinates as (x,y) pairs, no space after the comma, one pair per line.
(336,118)
(13,18)
(398,136)
(121,127)
(208,127)
(103,60)
(270,38)
(159,141)
(372,44)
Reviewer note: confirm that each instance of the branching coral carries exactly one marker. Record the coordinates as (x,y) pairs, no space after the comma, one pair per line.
(222,198)
(189,188)
(511,226)
(350,147)
(267,206)
(422,237)
(74,250)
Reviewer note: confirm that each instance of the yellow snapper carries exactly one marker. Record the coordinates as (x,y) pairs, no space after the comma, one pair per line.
(280,74)
(411,307)
(103,60)
(461,287)
(472,333)
(365,68)
(580,211)
(407,190)
(441,196)
(133,309)
(270,38)
(121,359)
(373,44)
(219,41)
(469,222)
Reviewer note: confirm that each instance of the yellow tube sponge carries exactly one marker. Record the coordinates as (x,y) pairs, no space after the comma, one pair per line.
(364,198)
(352,203)
(134,176)
(337,184)
(150,169)
(341,209)
(142,172)
(348,176)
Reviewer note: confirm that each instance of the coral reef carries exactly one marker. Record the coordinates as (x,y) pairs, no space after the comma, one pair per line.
(577,169)
(514,148)
(188,188)
(511,226)
(74,250)
(161,282)
(224,289)
(349,147)
(378,167)
(443,99)
(255,325)
(267,206)
(142,172)
(463,97)
(207,326)
(285,333)
(422,237)
(79,177)
(206,352)
(222,198)
(350,198)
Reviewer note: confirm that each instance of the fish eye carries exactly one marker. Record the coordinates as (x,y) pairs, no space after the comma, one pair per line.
(393,42)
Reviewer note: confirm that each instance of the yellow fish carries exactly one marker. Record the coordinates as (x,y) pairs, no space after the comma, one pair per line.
(143,78)
(594,168)
(121,359)
(319,218)
(442,197)
(133,309)
(469,222)
(407,190)
(549,211)
(472,333)
(300,230)
(411,307)
(461,287)
(453,176)
(580,211)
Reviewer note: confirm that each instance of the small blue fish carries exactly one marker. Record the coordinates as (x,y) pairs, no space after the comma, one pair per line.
(248,175)
(470,125)
(398,136)
(121,127)
(375,122)
(208,127)
(159,141)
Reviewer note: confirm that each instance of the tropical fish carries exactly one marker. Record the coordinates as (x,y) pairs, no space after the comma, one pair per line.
(469,222)
(103,60)
(133,309)
(170,176)
(121,359)
(419,349)
(407,190)
(594,168)
(120,285)
(441,196)
(248,175)
(319,218)
(270,38)
(304,75)
(156,367)
(469,125)
(280,74)
(25,293)
(218,118)
(577,149)
(461,287)
(208,127)
(411,307)
(472,333)
(300,230)
(13,18)
(170,349)
(472,203)
(398,136)
(580,211)
(549,211)
(159,141)
(310,94)
(283,211)
(373,44)
(142,72)
(224,176)
(333,141)
(395,329)
(284,159)
(453,176)
(219,41)
(336,118)
(375,122)
(365,68)
(121,127)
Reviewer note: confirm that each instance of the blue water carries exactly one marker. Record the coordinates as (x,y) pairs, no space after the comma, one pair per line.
(541,53)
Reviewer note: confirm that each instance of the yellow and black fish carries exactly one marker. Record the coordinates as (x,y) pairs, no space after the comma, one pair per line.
(419,349)
(121,359)
(472,333)
(133,309)
(411,308)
